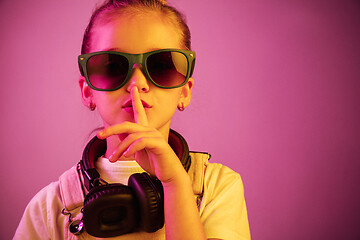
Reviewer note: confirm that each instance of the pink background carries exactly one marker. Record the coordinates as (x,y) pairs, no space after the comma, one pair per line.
(276,98)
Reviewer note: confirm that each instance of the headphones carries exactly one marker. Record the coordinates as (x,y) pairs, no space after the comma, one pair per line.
(114,209)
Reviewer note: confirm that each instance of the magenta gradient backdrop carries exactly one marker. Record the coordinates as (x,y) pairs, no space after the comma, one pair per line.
(276,98)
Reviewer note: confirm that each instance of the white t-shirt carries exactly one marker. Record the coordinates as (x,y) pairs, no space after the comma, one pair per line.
(117,172)
(222,208)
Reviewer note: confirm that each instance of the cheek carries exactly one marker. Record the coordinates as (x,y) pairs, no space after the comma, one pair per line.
(107,104)
(171,98)
(166,103)
(102,100)
(107,99)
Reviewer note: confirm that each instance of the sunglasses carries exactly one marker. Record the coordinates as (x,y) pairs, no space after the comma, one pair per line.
(110,70)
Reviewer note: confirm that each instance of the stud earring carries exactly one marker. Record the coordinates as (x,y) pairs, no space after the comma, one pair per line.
(92,106)
(181,107)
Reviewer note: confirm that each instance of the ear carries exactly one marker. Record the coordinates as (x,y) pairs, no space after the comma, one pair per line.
(86,92)
(185,96)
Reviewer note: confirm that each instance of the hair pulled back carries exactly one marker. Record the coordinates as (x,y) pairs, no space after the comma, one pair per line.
(112,7)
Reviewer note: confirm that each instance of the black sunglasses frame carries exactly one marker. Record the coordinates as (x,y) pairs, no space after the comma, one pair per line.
(137,59)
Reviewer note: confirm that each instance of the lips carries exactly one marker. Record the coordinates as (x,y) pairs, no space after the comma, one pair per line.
(128,104)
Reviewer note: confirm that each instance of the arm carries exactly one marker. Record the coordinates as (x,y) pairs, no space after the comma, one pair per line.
(154,155)
(181,211)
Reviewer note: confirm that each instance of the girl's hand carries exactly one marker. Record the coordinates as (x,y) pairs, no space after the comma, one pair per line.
(147,144)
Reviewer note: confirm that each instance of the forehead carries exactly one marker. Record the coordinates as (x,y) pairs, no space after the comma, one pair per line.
(135,33)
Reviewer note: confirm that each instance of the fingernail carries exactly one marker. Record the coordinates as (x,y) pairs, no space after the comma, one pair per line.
(112,158)
(100,134)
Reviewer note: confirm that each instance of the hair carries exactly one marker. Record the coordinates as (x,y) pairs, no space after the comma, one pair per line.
(112,8)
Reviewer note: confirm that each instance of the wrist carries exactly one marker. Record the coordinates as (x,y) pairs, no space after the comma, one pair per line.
(181,178)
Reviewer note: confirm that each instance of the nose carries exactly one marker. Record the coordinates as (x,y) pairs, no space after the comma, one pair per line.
(138,79)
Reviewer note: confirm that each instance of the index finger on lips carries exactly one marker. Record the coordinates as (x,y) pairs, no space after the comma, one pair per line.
(138,108)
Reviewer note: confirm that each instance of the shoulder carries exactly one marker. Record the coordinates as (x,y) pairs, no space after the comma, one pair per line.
(46,196)
(219,178)
(51,196)
(214,171)
(223,208)
(214,176)
(221,173)
(41,218)
(35,220)
(55,191)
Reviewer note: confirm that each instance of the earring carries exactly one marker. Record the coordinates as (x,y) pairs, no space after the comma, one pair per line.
(92,106)
(181,107)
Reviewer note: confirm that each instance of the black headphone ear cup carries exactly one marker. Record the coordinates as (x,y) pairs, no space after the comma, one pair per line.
(110,210)
(149,192)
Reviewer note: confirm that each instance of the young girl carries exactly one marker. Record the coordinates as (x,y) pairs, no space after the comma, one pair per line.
(136,68)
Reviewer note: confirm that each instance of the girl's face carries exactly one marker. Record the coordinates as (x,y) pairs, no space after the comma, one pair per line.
(136,34)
